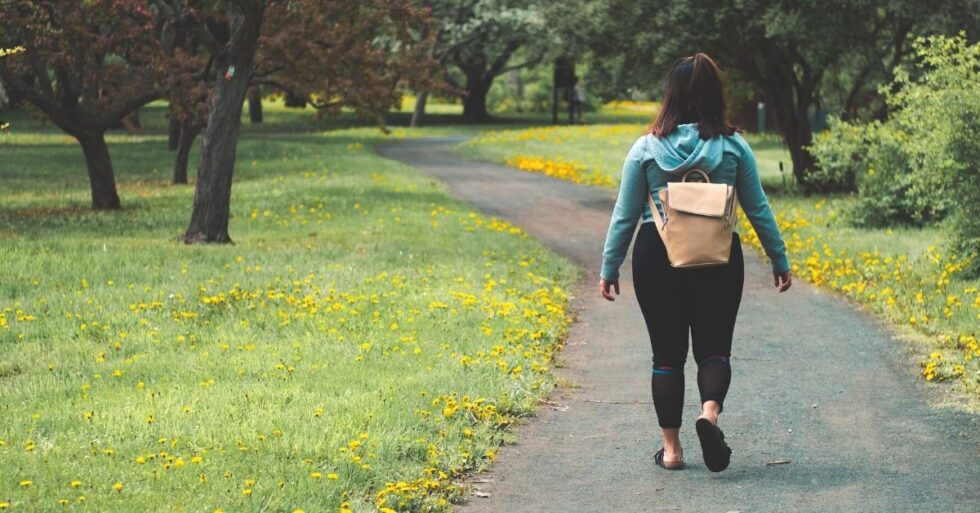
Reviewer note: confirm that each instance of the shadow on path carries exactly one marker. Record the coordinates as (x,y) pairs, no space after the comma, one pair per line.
(814,382)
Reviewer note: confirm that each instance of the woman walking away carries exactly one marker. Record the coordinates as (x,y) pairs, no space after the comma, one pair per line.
(690,131)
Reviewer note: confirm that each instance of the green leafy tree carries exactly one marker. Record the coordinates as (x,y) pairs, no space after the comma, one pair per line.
(480,39)
(923,163)
(785,48)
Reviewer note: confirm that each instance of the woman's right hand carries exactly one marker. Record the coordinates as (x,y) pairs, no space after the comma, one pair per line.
(605,285)
(782,281)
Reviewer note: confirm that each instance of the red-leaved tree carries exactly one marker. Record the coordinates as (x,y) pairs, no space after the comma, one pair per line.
(86,66)
(335,52)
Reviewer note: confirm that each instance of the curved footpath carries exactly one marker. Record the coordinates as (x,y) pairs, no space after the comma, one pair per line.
(814,382)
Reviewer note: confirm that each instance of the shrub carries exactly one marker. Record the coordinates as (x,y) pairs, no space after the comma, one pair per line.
(943,104)
(840,152)
(920,165)
(885,182)
(966,217)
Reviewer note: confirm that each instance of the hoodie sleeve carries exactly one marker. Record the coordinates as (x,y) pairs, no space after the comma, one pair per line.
(629,206)
(756,207)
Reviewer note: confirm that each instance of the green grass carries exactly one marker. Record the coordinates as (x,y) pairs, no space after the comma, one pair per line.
(365,334)
(604,146)
(902,274)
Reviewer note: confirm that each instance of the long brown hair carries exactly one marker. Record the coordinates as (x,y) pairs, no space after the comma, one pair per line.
(695,94)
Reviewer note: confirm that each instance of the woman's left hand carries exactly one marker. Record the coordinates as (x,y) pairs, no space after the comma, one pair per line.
(605,285)
(782,281)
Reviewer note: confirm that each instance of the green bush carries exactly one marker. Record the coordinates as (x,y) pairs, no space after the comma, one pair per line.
(533,94)
(881,163)
(942,103)
(920,165)
(966,217)
(840,151)
(885,183)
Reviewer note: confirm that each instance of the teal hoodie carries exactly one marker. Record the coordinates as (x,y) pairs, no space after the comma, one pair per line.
(654,161)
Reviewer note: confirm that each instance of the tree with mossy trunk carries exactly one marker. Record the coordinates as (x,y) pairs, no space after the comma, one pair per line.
(86,66)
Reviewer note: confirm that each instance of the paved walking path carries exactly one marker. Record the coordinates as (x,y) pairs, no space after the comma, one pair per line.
(814,382)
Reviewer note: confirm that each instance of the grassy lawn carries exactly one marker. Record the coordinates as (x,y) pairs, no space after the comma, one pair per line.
(600,148)
(365,341)
(901,274)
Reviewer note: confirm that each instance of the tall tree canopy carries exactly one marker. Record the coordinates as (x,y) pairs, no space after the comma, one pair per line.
(788,49)
(480,38)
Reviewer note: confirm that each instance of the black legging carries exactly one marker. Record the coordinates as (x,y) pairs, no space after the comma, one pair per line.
(704,300)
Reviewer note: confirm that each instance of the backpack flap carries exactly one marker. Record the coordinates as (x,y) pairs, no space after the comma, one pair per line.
(703,199)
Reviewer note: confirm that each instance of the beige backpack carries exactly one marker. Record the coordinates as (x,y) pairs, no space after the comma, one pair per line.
(698,221)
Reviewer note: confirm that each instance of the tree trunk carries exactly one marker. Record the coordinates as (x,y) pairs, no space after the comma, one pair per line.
(132,121)
(295,101)
(185,140)
(255,105)
(475,101)
(100,175)
(803,160)
(173,133)
(518,84)
(419,112)
(790,108)
(797,135)
(212,197)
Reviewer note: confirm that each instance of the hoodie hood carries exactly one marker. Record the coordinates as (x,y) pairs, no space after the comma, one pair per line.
(684,149)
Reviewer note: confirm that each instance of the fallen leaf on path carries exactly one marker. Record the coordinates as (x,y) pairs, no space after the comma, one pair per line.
(484,495)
